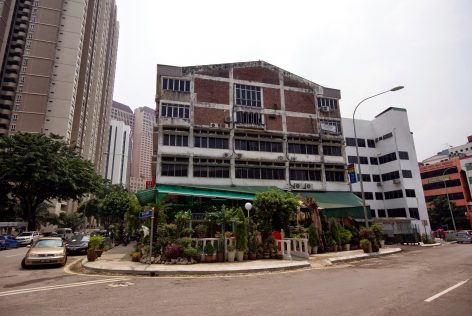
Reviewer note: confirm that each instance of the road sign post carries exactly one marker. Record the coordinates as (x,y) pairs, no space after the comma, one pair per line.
(152,233)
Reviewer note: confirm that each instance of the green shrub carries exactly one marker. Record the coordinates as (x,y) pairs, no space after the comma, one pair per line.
(313,238)
(241,231)
(201,230)
(190,252)
(345,236)
(96,242)
(209,250)
(365,244)
(231,247)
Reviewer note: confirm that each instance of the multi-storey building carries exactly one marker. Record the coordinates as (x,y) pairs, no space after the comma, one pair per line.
(118,153)
(58,60)
(247,124)
(123,113)
(144,119)
(390,173)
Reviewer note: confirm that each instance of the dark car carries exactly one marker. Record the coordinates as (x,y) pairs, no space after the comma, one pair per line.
(8,242)
(78,244)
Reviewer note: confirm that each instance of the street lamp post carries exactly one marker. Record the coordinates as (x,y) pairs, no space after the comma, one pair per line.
(357,149)
(448,201)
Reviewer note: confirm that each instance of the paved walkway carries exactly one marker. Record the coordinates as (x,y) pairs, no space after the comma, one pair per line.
(117,260)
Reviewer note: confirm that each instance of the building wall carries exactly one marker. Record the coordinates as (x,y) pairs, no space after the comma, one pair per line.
(389,133)
(118,149)
(286,115)
(466,166)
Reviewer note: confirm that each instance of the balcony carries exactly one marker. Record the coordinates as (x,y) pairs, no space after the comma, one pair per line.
(11,76)
(6,103)
(9,86)
(24,18)
(9,95)
(16,51)
(14,68)
(19,35)
(14,60)
(19,42)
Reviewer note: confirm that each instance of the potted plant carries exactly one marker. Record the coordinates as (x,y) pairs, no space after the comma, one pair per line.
(96,243)
(231,252)
(313,239)
(135,256)
(252,247)
(172,252)
(220,253)
(377,230)
(241,234)
(345,236)
(209,251)
(366,245)
(201,230)
(190,252)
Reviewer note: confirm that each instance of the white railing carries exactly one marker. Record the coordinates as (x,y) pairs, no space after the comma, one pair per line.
(284,246)
(298,247)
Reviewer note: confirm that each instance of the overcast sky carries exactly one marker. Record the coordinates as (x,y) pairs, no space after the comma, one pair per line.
(361,47)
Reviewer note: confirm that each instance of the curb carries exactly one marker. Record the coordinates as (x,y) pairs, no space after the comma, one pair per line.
(361,257)
(155,272)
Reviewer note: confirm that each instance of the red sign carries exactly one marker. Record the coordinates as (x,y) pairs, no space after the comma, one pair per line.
(150,184)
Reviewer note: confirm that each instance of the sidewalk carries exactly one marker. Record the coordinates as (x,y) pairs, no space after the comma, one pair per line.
(117,260)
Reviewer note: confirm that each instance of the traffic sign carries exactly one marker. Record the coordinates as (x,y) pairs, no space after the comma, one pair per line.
(145,214)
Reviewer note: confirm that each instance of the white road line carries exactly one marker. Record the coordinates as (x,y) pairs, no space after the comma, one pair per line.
(60,286)
(432,298)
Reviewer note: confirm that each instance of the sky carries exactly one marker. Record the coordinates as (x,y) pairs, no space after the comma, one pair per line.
(361,47)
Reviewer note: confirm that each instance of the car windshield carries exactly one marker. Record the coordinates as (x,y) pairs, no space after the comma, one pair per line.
(48,243)
(80,238)
(25,234)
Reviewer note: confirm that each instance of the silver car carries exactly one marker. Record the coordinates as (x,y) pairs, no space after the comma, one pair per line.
(464,236)
(27,238)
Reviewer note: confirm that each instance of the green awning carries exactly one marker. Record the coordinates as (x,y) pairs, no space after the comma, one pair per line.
(339,204)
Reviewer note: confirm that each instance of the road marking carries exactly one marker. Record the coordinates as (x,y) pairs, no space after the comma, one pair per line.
(432,298)
(60,286)
(20,254)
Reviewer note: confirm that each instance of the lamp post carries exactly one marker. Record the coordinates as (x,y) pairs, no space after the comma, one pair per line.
(357,149)
(447,195)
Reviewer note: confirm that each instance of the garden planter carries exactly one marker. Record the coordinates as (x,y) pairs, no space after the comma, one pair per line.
(252,256)
(231,255)
(367,249)
(382,244)
(208,258)
(240,255)
(91,255)
(314,250)
(99,252)
(220,256)
(347,247)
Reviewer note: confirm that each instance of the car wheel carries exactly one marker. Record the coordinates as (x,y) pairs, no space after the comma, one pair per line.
(23,264)
(65,261)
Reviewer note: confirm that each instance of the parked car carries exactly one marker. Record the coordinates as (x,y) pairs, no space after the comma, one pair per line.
(78,244)
(46,251)
(64,233)
(464,236)
(27,238)
(8,242)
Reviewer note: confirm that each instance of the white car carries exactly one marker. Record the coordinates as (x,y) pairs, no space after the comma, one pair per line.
(464,236)
(27,238)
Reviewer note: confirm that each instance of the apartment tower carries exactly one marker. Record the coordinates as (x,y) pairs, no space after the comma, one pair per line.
(57,75)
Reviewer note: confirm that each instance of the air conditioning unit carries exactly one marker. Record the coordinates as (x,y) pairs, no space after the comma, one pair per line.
(379,184)
(325,108)
(293,158)
(280,158)
(226,155)
(302,186)
(228,119)
(214,125)
(396,181)
(238,156)
(226,125)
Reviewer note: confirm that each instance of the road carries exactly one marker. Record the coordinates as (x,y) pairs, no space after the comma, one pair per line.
(394,285)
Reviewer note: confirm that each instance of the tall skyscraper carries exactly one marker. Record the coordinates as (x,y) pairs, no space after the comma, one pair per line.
(118,153)
(144,119)
(57,75)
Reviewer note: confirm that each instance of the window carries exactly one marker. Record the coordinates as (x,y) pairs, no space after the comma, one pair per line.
(375,178)
(174,166)
(396,212)
(378,196)
(175,140)
(468,166)
(176,85)
(332,151)
(330,126)
(437,173)
(414,212)
(353,159)
(350,142)
(14,117)
(410,193)
(370,143)
(407,174)
(334,176)
(390,176)
(331,103)
(374,161)
(365,177)
(260,172)
(211,142)
(247,95)
(387,136)
(372,213)
(256,145)
(252,118)
(304,174)
(368,195)
(470,180)
(12,127)
(441,184)
(210,168)
(403,155)
(387,158)
(390,195)
(361,142)
(381,213)
(307,149)
(175,110)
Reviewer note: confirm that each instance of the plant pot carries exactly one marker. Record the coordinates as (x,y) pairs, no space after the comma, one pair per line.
(240,255)
(382,244)
(91,255)
(220,256)
(245,256)
(367,249)
(252,256)
(314,250)
(99,252)
(208,258)
(231,256)
(347,247)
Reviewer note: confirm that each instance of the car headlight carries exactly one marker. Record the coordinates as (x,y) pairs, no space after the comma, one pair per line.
(33,255)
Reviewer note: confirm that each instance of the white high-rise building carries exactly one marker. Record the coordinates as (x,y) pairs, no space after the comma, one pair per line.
(118,151)
(391,176)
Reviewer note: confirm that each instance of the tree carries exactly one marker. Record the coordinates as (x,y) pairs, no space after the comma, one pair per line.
(114,206)
(70,220)
(38,168)
(440,216)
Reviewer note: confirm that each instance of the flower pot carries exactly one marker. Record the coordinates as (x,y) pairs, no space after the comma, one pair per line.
(367,249)
(91,255)
(220,256)
(382,244)
(231,256)
(240,255)
(314,250)
(99,252)
(252,256)
(347,247)
(208,258)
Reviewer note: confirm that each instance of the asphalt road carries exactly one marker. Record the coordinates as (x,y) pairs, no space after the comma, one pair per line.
(394,285)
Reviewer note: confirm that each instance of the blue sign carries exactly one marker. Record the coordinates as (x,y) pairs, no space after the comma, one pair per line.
(352,177)
(145,214)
